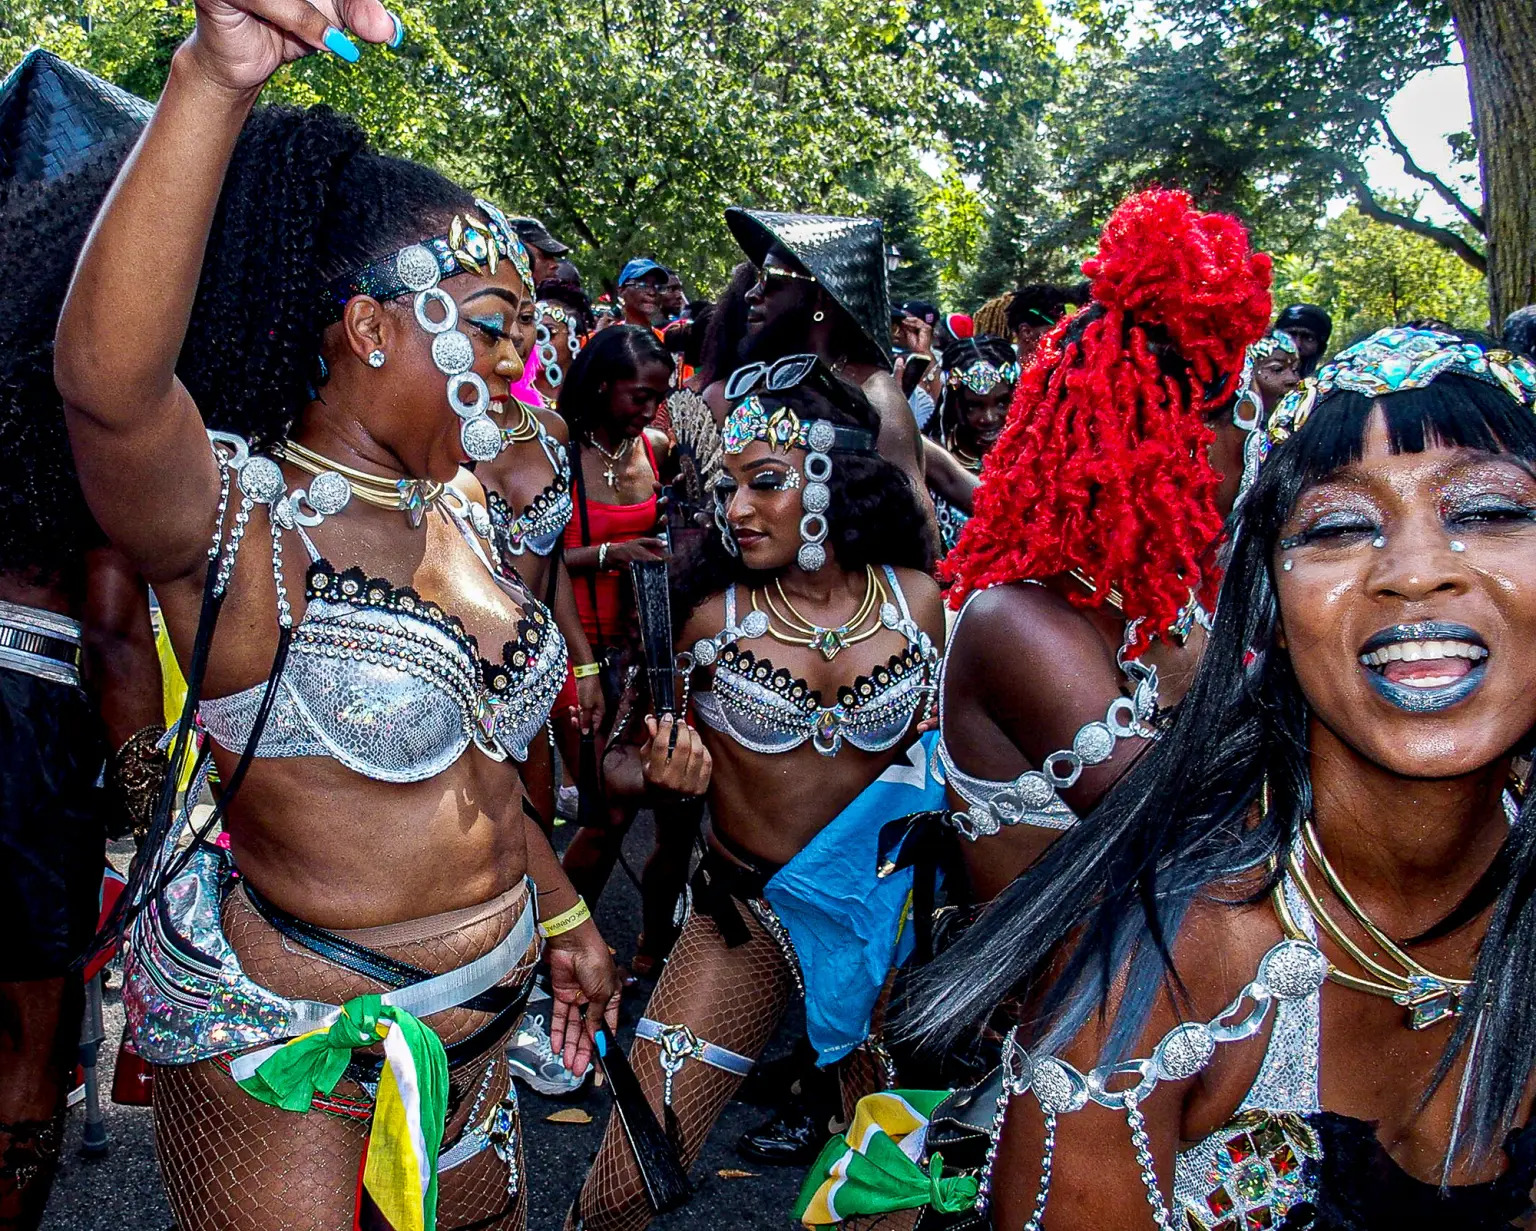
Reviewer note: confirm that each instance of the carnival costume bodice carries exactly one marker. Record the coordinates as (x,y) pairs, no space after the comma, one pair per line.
(1034,797)
(539,526)
(765,709)
(379,679)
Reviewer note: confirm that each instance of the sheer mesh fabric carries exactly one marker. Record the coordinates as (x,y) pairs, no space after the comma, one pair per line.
(732,998)
(899,1220)
(231,1163)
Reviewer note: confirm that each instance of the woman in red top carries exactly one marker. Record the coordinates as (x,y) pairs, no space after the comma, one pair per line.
(608,397)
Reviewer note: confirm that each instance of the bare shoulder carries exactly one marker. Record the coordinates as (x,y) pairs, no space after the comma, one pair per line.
(661,444)
(468,486)
(705,620)
(554,425)
(925,600)
(714,398)
(1024,619)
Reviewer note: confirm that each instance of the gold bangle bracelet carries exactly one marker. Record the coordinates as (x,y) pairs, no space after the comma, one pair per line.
(566,920)
(585,671)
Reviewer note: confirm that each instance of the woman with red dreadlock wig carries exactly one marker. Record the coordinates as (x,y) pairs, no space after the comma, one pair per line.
(1085,575)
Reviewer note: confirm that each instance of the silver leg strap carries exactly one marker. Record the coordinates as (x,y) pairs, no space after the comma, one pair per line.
(679,1045)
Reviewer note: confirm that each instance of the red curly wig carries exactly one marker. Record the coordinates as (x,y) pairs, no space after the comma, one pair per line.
(1102,466)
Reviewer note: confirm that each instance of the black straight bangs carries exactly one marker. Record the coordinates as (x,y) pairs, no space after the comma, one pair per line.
(1454,411)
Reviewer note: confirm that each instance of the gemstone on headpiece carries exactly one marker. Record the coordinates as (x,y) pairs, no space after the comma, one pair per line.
(820,436)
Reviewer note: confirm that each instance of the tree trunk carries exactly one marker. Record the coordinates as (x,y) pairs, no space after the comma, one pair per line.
(1498,41)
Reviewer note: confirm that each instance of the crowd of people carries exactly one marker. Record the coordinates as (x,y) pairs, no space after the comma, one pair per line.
(1102,709)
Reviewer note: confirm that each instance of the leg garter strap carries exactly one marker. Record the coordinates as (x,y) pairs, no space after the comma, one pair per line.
(679,1044)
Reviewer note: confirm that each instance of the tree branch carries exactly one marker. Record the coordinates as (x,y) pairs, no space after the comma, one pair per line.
(1443,190)
(1373,209)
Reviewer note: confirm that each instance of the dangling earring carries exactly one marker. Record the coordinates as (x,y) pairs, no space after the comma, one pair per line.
(1252,421)
(815,497)
(724,526)
(375,358)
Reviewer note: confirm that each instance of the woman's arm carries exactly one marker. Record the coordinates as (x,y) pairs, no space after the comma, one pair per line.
(144,464)
(949,478)
(589,689)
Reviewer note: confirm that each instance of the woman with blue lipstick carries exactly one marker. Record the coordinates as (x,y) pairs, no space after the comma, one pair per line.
(1306,913)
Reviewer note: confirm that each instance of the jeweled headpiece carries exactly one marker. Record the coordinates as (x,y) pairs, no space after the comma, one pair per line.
(1394,361)
(475,243)
(982,376)
(782,429)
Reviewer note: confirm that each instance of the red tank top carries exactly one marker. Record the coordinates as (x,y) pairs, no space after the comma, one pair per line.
(608,523)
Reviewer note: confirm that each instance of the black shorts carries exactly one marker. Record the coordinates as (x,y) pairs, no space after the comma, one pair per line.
(52,830)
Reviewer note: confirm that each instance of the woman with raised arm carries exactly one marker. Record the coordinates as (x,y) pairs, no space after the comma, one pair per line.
(814,629)
(1085,577)
(279,350)
(1284,977)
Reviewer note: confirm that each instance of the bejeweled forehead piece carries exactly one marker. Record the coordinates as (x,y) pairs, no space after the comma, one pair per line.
(475,243)
(983,376)
(1394,361)
(784,430)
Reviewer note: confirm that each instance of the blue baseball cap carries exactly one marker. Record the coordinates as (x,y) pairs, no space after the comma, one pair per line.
(639,267)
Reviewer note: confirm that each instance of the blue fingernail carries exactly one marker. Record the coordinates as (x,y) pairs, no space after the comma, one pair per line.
(602,1043)
(338,44)
(398,36)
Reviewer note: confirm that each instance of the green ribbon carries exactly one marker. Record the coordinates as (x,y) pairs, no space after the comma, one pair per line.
(291,1076)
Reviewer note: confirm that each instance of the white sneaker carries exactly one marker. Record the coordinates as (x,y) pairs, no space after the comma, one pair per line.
(532,1060)
(567,802)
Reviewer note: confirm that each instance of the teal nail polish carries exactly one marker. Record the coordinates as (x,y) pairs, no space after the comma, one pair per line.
(398,36)
(338,44)
(602,1042)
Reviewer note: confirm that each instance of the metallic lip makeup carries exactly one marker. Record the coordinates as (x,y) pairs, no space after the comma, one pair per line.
(1425,700)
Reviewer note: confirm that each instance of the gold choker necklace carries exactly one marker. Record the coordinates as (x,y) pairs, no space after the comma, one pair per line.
(1427,997)
(829,642)
(526,428)
(413,497)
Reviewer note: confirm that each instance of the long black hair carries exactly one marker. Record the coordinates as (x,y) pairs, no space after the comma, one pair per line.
(305,201)
(45,527)
(1109,895)
(874,517)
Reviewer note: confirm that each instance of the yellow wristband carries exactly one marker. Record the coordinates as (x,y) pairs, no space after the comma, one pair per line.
(585,671)
(566,920)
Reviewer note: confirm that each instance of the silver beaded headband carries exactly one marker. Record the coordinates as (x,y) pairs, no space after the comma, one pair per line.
(544,342)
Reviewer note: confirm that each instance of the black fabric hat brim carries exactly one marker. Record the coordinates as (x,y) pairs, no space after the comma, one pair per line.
(536,235)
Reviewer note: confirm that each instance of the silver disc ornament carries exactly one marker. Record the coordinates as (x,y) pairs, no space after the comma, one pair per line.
(329,493)
(481,438)
(453,352)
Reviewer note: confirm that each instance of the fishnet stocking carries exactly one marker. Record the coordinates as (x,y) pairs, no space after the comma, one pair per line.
(231,1163)
(900,1220)
(732,998)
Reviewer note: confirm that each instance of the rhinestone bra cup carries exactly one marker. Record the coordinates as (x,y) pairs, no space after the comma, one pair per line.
(1249,1173)
(391,686)
(539,526)
(767,710)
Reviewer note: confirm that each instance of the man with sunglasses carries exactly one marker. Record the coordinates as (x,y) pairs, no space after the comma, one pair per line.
(821,291)
(640,286)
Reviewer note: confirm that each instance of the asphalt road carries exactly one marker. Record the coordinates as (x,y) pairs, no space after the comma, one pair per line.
(122,1192)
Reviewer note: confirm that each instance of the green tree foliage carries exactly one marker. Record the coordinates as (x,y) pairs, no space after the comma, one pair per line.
(952,218)
(917,277)
(630,125)
(1368,275)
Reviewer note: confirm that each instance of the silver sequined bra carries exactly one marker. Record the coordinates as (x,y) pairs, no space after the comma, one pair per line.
(765,709)
(391,686)
(539,526)
(1034,797)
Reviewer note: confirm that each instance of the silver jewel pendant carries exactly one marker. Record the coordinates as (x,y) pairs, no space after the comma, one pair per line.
(1292,969)
(1184,1051)
(480,520)
(816,497)
(453,352)
(705,652)
(890,616)
(329,493)
(811,556)
(261,479)
(418,268)
(481,438)
(820,436)
(753,625)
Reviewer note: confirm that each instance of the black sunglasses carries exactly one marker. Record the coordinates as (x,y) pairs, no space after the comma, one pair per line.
(773,377)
